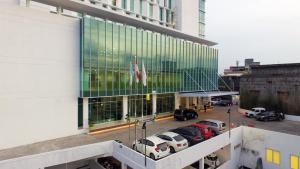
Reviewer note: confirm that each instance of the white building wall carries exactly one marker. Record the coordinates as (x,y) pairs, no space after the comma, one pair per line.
(258,140)
(253,146)
(39,70)
(186,16)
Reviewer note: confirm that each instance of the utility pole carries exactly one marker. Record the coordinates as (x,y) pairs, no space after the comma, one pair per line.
(144,127)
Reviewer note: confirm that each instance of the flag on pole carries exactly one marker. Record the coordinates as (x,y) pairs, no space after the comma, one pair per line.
(131,74)
(144,75)
(136,70)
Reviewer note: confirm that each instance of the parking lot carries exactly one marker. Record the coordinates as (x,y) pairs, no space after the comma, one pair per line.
(219,113)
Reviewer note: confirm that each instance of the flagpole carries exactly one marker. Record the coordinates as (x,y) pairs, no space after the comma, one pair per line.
(142,93)
(136,84)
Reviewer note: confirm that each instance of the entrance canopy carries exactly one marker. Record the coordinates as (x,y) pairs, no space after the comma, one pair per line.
(209,94)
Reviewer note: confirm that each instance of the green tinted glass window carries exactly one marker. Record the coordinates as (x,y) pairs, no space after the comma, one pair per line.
(172,65)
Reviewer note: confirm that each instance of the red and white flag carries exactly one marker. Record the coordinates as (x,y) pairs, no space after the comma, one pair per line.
(136,70)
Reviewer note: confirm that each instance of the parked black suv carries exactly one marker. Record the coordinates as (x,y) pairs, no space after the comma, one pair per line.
(269,116)
(185,114)
(193,135)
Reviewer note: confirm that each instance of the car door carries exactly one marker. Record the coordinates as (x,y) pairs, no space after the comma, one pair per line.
(149,147)
(272,116)
(188,114)
(140,146)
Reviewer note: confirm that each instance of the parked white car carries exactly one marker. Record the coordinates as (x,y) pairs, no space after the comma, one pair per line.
(254,111)
(156,147)
(216,125)
(175,141)
(212,160)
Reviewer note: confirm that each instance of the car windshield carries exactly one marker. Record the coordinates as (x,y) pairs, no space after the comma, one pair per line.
(223,125)
(178,138)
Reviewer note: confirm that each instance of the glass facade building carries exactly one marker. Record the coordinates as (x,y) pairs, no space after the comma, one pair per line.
(172,65)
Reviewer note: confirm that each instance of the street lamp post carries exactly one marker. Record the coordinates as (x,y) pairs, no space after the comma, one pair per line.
(128,121)
(145,128)
(135,122)
(228,111)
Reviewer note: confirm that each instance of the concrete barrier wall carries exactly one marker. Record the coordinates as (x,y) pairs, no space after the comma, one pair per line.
(292,118)
(192,154)
(40,161)
(131,158)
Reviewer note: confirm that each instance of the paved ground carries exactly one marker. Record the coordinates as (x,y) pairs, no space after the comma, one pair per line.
(219,113)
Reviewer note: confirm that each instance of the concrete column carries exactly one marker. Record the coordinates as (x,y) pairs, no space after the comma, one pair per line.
(128,5)
(27,3)
(86,114)
(125,107)
(195,100)
(201,163)
(59,10)
(154,97)
(177,101)
(187,102)
(124,166)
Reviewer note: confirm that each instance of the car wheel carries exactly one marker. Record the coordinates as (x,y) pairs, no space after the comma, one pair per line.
(213,133)
(172,150)
(133,146)
(184,119)
(152,156)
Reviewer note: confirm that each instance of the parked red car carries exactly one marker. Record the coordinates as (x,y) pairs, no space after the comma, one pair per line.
(205,130)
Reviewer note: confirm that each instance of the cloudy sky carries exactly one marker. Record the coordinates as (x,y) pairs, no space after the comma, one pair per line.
(266,30)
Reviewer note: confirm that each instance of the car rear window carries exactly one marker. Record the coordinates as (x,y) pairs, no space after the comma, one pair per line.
(162,146)
(178,138)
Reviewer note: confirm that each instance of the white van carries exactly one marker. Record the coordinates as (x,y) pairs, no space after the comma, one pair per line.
(254,111)
(218,125)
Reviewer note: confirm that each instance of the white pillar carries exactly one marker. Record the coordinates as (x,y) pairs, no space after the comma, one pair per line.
(27,3)
(177,101)
(154,96)
(125,107)
(86,114)
(124,166)
(201,163)
(59,10)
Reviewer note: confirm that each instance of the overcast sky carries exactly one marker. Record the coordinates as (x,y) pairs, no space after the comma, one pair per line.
(266,30)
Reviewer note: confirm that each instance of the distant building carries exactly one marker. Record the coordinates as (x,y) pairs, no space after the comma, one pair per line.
(250,62)
(232,75)
(276,87)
